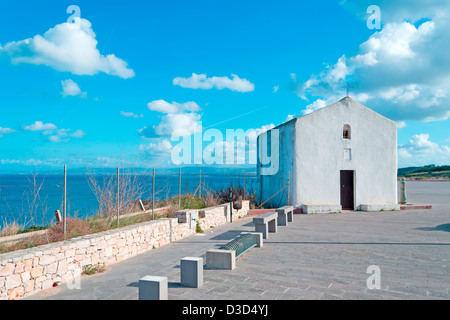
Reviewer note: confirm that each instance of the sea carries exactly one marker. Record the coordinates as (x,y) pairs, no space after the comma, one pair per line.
(32,199)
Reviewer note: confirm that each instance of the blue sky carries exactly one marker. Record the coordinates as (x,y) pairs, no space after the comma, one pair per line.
(110,91)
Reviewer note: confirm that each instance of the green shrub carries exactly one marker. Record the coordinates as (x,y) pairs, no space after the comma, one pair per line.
(189,202)
(198,229)
(32,229)
(89,269)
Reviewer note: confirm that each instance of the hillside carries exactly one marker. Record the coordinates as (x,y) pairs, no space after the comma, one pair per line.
(429,172)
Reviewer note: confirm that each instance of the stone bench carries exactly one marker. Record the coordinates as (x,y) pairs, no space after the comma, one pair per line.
(266,223)
(285,215)
(225,259)
(243,243)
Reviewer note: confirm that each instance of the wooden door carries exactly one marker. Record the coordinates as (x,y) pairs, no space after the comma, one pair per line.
(347,193)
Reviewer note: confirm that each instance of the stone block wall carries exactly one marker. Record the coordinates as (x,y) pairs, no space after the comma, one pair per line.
(25,272)
(213,216)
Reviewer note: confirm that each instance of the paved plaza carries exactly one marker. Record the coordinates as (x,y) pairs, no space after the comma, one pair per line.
(319,256)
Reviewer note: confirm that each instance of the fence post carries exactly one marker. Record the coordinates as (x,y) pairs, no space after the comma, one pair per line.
(200,188)
(245,193)
(231,205)
(153,196)
(65,200)
(118,199)
(179,190)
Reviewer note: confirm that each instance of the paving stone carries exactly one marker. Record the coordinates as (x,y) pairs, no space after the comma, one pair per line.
(327,296)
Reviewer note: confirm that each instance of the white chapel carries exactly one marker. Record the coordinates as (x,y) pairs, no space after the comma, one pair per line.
(341,157)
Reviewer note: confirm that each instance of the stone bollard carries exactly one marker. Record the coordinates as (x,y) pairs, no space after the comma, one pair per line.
(153,288)
(191,272)
(403,199)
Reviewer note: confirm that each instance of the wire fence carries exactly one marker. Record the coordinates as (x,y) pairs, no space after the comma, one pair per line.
(31,199)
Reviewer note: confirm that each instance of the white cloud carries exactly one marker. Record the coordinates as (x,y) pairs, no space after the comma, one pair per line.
(68,47)
(40,126)
(200,81)
(174,107)
(71,88)
(57,135)
(157,152)
(421,151)
(10,161)
(131,115)
(187,122)
(161,147)
(78,134)
(177,116)
(316,105)
(32,162)
(56,138)
(5,131)
(289,117)
(53,133)
(401,124)
(421,142)
(401,71)
(276,88)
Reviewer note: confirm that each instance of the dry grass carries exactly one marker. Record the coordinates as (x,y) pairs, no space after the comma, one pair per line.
(98,224)
(10,229)
(74,227)
(212,200)
(171,208)
(122,197)
(223,196)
